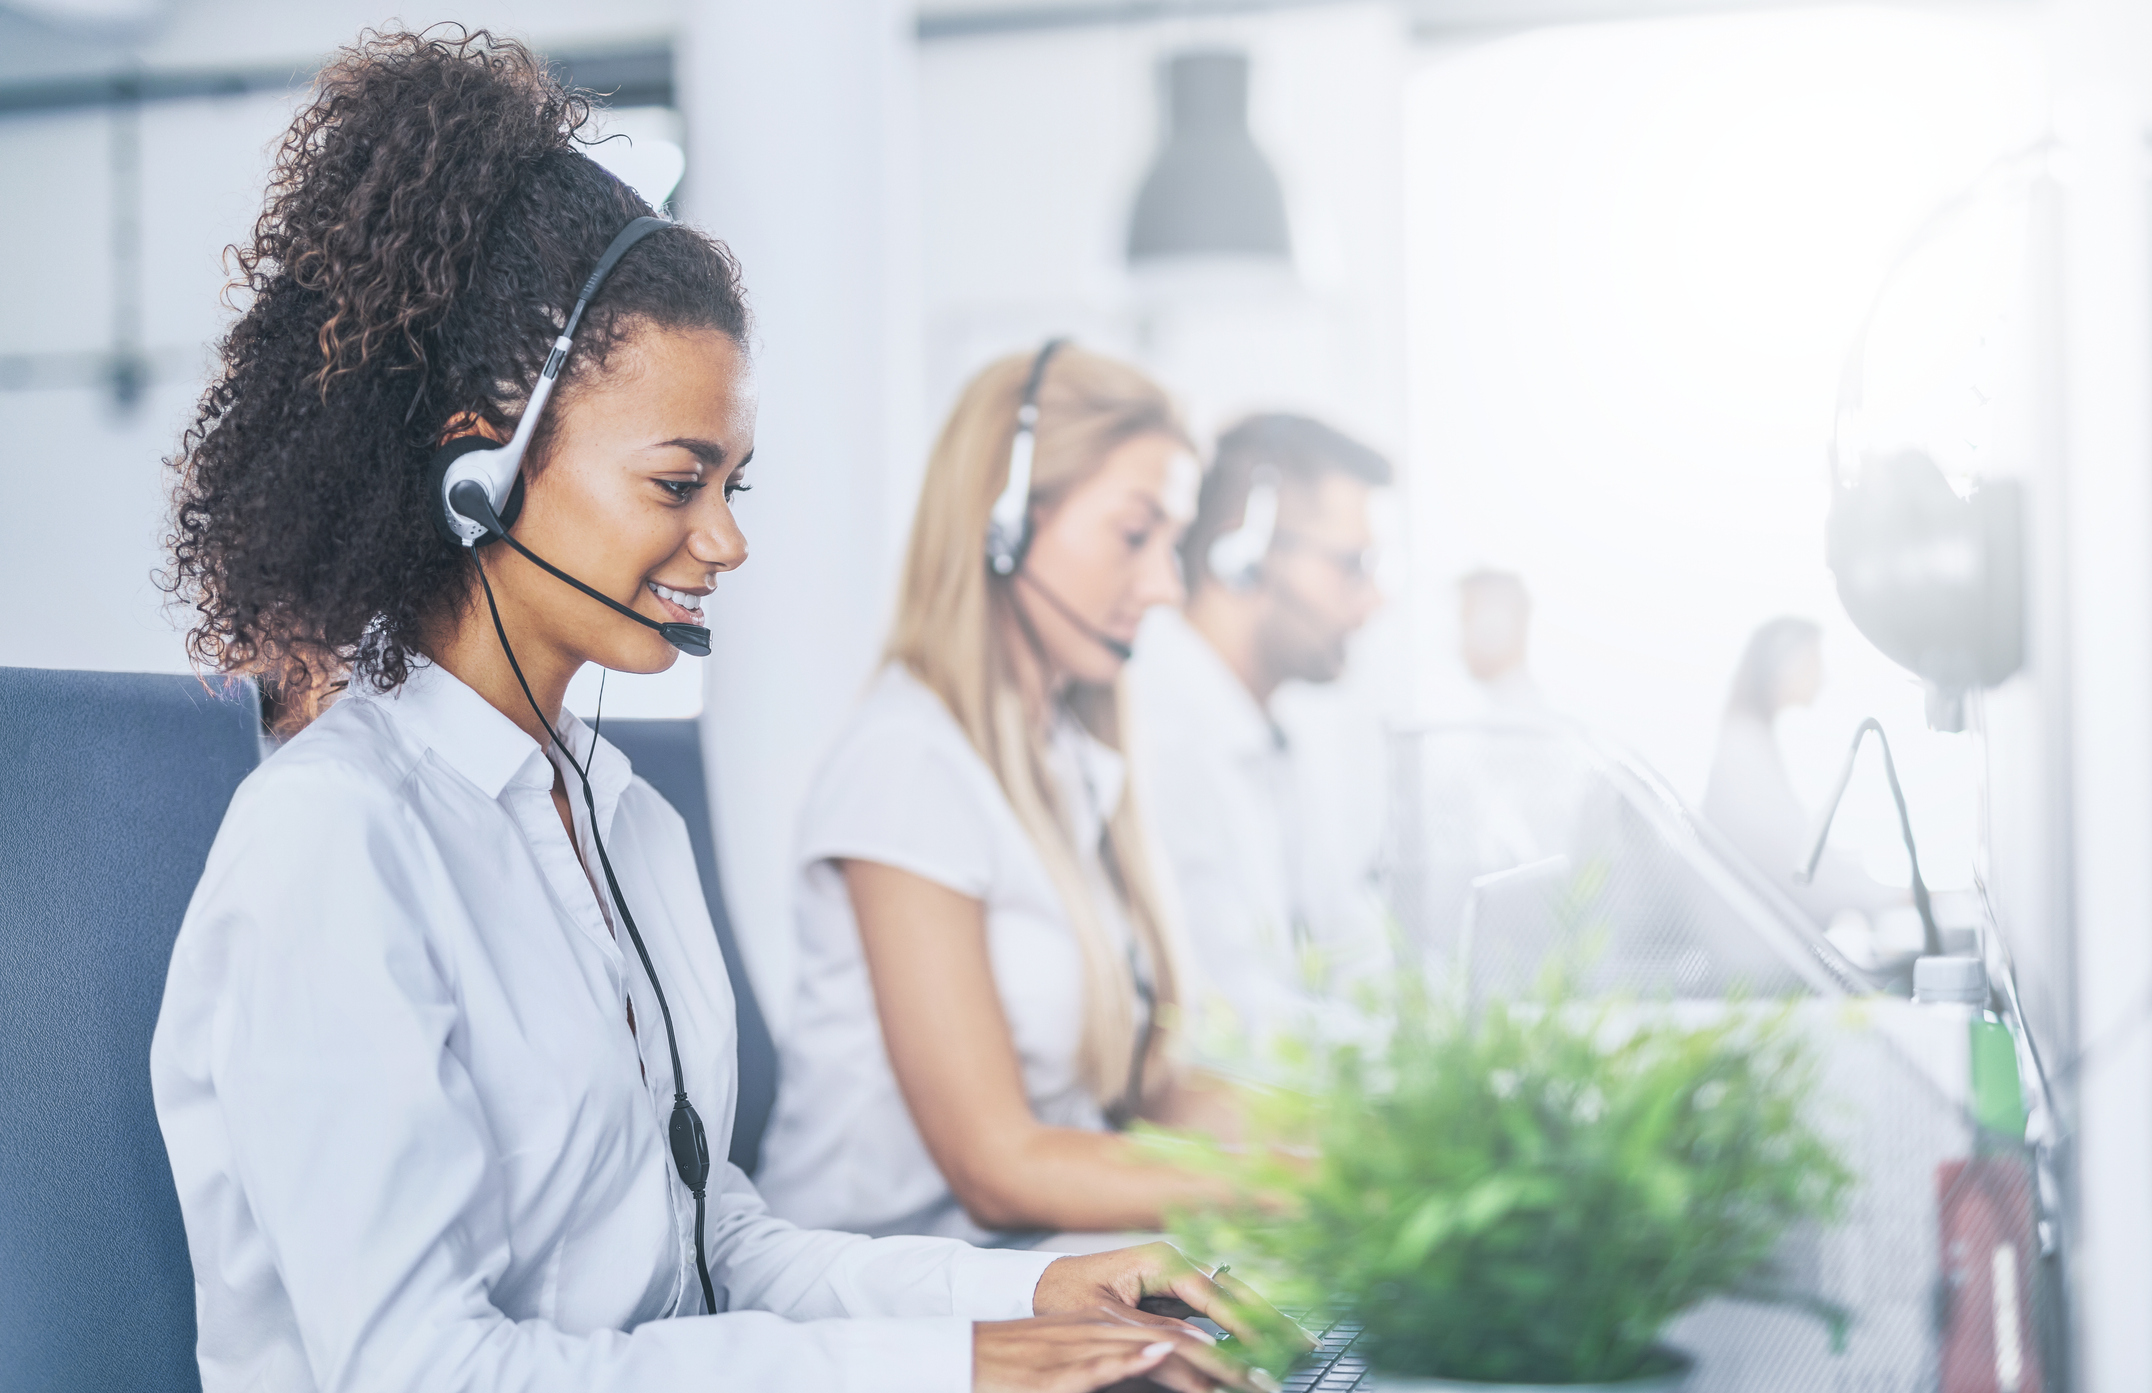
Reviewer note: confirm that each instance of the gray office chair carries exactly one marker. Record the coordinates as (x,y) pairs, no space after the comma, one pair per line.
(669,755)
(111,789)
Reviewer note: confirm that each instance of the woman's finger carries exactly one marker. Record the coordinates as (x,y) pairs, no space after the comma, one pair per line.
(1114,1366)
(1237,1306)
(1190,1354)
(1214,1302)
(1218,1367)
(1134,1315)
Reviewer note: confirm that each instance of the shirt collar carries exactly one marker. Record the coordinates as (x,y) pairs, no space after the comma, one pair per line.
(610,773)
(471,736)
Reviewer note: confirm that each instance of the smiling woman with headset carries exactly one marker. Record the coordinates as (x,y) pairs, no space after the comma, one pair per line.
(446,1021)
(989,975)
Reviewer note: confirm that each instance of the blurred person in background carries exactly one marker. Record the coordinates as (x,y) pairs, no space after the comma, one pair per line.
(1494,629)
(990,982)
(1276,601)
(414,1088)
(1750,798)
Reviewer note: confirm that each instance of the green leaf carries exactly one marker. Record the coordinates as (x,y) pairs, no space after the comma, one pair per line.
(1428,1225)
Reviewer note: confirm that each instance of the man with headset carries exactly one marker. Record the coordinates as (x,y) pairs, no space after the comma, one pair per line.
(1277,563)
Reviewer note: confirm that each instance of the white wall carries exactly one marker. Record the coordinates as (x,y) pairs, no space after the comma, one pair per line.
(2103,55)
(84,520)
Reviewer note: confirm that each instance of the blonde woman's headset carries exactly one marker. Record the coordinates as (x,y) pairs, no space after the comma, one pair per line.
(1008,526)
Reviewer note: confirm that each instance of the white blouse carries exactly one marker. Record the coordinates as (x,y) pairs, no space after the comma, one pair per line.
(417,1144)
(903,787)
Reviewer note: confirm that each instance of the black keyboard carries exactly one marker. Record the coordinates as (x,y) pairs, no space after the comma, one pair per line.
(1331,1367)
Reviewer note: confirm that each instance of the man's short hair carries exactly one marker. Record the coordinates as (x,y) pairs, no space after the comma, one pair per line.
(1301,450)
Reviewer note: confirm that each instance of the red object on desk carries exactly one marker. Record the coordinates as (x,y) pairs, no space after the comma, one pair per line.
(1989,1252)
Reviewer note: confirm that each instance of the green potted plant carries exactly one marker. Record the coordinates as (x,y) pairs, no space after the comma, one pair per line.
(1527,1196)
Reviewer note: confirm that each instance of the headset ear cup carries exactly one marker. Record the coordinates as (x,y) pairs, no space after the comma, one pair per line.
(437,479)
(1236,557)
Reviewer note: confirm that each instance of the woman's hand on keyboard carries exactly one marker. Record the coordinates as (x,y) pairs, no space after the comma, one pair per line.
(1157,1280)
(1077,1352)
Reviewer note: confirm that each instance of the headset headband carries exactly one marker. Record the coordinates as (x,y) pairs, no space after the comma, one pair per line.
(496,467)
(1008,527)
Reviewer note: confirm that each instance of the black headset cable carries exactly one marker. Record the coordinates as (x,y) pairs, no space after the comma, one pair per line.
(690,1143)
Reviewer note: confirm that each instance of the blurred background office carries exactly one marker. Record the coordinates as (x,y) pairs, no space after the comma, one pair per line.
(1620,285)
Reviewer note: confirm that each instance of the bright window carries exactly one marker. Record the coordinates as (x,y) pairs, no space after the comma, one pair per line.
(1640,253)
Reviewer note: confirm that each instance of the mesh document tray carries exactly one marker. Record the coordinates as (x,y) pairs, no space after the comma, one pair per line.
(1513,840)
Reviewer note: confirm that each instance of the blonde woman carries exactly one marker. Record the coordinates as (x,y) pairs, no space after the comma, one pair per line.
(988,979)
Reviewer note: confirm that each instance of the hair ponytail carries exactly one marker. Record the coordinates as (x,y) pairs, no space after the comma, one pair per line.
(386,185)
(427,223)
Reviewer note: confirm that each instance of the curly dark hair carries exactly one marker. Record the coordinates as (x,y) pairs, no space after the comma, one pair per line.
(428,222)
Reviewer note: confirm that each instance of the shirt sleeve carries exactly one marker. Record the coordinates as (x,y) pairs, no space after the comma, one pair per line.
(906,797)
(365,1157)
(763,1262)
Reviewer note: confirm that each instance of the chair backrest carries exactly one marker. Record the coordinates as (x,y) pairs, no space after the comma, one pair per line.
(669,755)
(112,786)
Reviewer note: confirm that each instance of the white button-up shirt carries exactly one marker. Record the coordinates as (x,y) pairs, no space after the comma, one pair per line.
(416,1143)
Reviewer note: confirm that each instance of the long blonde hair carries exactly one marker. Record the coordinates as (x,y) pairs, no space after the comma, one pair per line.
(951,619)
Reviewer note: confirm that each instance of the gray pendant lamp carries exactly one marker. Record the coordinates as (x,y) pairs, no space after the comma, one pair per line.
(1210,193)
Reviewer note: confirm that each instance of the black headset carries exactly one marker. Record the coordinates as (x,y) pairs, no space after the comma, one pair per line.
(471,481)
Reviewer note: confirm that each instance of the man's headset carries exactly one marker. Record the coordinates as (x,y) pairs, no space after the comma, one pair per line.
(471,483)
(1236,557)
(1008,526)
(476,485)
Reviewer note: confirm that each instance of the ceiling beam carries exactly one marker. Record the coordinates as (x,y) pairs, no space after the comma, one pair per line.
(638,77)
